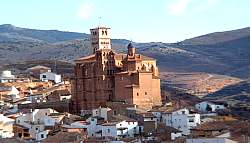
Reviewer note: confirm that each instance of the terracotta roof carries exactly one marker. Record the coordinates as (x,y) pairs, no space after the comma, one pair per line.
(90,57)
(72,118)
(20,126)
(63,92)
(212,126)
(170,109)
(56,114)
(115,119)
(110,123)
(11,140)
(165,109)
(146,114)
(163,128)
(39,67)
(118,105)
(50,89)
(99,140)
(118,56)
(121,118)
(64,137)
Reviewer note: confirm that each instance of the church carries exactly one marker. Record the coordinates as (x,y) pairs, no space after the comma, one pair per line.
(107,76)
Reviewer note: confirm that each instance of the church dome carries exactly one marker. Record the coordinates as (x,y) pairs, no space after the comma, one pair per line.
(130,45)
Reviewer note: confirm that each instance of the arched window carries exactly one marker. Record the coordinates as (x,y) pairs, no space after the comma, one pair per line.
(110,98)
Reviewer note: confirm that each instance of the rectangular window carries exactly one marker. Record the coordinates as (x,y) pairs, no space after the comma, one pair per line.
(191,120)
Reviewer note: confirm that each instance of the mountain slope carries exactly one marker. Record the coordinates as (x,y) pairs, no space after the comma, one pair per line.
(236,95)
(218,37)
(11,33)
(232,57)
(198,84)
(226,53)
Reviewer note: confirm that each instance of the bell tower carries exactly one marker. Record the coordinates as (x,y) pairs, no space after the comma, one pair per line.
(100,38)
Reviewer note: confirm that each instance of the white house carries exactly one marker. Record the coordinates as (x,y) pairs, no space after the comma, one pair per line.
(101,112)
(36,116)
(6,76)
(14,93)
(120,129)
(158,115)
(6,127)
(182,120)
(175,135)
(11,91)
(210,140)
(65,97)
(49,76)
(36,98)
(94,127)
(37,120)
(41,135)
(207,106)
(92,124)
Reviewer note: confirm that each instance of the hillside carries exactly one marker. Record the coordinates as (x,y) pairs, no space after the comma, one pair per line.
(218,37)
(237,96)
(199,84)
(11,33)
(228,55)
(235,93)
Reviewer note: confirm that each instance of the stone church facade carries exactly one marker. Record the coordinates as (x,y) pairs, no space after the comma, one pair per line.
(107,76)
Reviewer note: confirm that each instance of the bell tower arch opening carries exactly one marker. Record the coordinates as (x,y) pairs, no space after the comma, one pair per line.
(100,38)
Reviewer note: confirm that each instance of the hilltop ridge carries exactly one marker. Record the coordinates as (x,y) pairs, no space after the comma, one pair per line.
(229,54)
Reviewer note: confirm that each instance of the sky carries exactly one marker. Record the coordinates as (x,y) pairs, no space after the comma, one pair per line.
(136,20)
